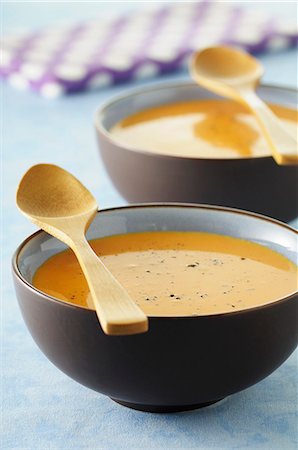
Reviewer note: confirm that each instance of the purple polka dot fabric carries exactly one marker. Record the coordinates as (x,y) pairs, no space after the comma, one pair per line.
(101,52)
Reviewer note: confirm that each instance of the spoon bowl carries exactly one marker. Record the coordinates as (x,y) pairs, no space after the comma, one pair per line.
(49,191)
(228,66)
(58,203)
(235,74)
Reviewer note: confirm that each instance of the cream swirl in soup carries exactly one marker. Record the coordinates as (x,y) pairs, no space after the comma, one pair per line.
(200,129)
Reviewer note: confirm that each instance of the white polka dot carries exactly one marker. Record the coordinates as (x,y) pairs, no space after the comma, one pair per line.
(184,12)
(162,53)
(203,41)
(278,43)
(175,26)
(18,81)
(146,70)
(33,71)
(48,43)
(125,49)
(53,37)
(70,72)
(140,22)
(248,34)
(56,34)
(85,42)
(35,55)
(6,57)
(62,26)
(98,23)
(117,61)
(248,39)
(288,28)
(51,90)
(77,49)
(77,58)
(170,40)
(100,80)
(83,48)
(137,29)
(94,34)
(13,41)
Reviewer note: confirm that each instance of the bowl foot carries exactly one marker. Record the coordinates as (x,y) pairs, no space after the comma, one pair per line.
(164,408)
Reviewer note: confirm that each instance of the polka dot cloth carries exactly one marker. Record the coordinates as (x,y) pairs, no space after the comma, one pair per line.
(99,53)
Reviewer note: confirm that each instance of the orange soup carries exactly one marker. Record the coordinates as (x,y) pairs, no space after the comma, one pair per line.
(171,273)
(200,129)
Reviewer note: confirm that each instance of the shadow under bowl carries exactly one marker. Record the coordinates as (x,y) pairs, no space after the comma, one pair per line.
(255,184)
(181,363)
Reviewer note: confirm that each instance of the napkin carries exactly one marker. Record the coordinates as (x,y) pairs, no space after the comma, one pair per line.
(101,52)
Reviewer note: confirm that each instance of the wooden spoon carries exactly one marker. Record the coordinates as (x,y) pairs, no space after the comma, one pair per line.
(236,74)
(58,203)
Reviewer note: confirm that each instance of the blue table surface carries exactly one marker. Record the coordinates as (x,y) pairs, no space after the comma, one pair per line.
(43,408)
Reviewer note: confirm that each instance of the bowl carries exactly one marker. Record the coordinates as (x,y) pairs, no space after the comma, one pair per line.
(181,363)
(255,184)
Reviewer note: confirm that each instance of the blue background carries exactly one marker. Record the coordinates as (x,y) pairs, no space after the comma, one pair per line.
(43,408)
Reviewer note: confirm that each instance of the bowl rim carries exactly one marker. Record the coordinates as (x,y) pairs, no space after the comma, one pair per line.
(47,297)
(100,128)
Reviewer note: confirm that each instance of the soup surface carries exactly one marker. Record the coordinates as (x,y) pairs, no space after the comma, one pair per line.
(171,273)
(200,129)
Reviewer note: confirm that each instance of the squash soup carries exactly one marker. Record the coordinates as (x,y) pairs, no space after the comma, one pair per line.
(169,273)
(200,129)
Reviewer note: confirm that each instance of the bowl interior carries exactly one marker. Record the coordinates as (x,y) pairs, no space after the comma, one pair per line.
(268,232)
(167,93)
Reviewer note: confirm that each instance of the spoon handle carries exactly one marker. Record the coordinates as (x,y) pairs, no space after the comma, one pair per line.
(117,312)
(283,145)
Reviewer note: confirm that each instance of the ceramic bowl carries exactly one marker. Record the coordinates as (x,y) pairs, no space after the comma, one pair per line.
(181,363)
(255,184)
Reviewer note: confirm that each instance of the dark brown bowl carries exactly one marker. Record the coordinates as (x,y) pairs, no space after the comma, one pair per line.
(182,362)
(254,184)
